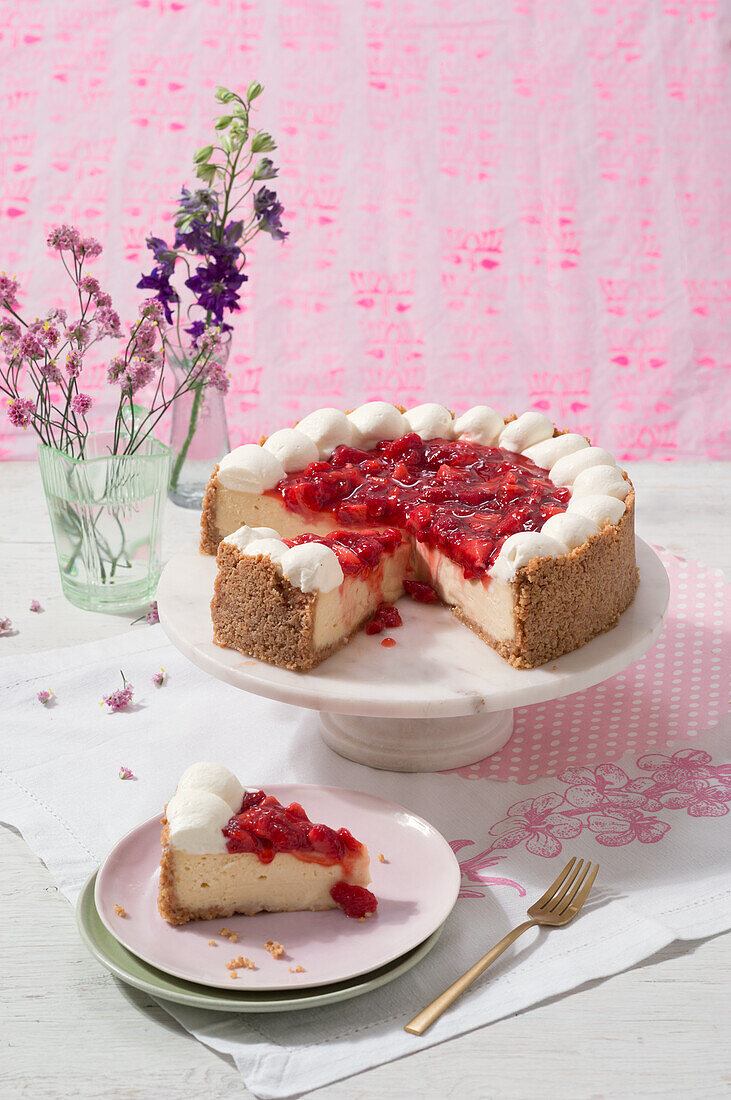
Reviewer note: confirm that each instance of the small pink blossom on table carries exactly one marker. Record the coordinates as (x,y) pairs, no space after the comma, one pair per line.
(45,697)
(35,606)
(159,678)
(151,617)
(120,698)
(126,773)
(5,625)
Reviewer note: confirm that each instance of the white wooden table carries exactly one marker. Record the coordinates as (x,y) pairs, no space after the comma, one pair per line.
(67,1028)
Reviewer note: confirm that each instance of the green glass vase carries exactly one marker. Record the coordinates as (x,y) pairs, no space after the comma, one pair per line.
(106,513)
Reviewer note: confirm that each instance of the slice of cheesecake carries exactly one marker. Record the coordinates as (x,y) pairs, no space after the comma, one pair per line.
(294,602)
(228,850)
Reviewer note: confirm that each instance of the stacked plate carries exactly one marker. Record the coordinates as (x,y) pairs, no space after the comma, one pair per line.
(327,957)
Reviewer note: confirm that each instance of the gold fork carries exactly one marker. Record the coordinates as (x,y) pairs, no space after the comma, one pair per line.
(560,904)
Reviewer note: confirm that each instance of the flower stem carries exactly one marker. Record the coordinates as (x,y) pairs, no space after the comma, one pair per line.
(199,389)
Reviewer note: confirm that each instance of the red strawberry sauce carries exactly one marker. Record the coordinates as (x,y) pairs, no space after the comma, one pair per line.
(357,551)
(264,826)
(457,496)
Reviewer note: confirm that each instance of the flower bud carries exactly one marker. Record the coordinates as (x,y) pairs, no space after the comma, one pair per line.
(203,154)
(223,95)
(223,122)
(255,89)
(262,143)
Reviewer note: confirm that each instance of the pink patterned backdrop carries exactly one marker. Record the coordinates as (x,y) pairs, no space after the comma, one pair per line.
(518,202)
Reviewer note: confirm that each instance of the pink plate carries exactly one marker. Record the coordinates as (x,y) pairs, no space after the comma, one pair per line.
(416,886)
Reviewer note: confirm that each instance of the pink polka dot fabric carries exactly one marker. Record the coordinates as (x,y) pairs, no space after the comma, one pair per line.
(679,688)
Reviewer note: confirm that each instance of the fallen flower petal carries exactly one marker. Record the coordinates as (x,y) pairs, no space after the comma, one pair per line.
(120,698)
(45,697)
(126,773)
(5,625)
(35,606)
(159,678)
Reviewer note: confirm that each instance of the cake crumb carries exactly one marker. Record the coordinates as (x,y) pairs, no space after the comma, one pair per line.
(249,965)
(275,949)
(297,970)
(382,858)
(231,936)
(120,910)
(233,974)
(234,964)
(212,943)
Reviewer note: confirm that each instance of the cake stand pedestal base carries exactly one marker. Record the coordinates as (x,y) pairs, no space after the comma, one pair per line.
(416,744)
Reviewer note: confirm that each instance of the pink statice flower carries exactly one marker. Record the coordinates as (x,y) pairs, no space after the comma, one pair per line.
(89,248)
(64,238)
(159,678)
(20,412)
(152,615)
(216,377)
(120,698)
(45,697)
(49,369)
(78,333)
(90,285)
(30,346)
(81,404)
(35,606)
(126,773)
(108,322)
(74,363)
(10,334)
(8,290)
(5,625)
(152,309)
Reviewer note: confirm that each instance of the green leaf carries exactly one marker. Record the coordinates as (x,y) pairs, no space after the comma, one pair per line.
(253,91)
(203,154)
(223,95)
(223,122)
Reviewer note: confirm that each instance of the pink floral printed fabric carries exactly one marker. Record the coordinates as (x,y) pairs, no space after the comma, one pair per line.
(512,202)
(678,689)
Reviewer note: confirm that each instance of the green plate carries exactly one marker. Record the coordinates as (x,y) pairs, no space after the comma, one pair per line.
(134,971)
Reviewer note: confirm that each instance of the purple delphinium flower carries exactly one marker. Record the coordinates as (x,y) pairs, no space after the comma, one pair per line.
(159,678)
(126,773)
(45,697)
(5,625)
(20,412)
(81,404)
(120,698)
(159,281)
(35,606)
(215,286)
(269,212)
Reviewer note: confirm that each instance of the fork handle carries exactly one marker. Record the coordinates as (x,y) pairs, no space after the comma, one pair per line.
(432,1012)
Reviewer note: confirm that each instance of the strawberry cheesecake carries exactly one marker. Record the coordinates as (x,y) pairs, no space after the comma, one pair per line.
(524,531)
(227,849)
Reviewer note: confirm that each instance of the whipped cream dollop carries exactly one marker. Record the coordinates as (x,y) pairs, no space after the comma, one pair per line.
(242,536)
(599,507)
(429,421)
(374,421)
(310,566)
(215,779)
(606,480)
(250,469)
(547,453)
(327,428)
(567,469)
(570,529)
(195,819)
(293,448)
(529,428)
(272,548)
(208,795)
(520,549)
(481,424)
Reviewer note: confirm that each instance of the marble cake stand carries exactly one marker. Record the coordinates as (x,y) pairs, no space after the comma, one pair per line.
(438,699)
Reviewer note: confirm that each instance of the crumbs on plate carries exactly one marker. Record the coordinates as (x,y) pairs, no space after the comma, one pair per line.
(212,943)
(297,970)
(275,949)
(120,910)
(382,858)
(229,934)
